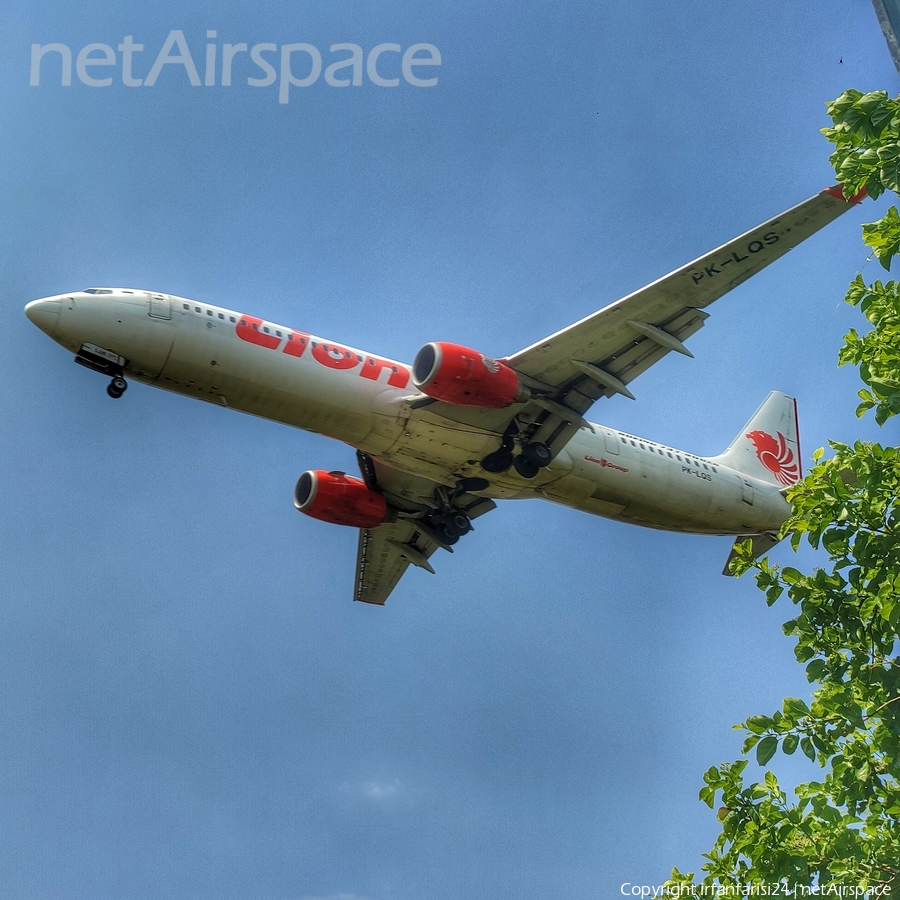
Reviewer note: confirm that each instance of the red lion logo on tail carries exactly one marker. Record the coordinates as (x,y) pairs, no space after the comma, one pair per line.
(776,456)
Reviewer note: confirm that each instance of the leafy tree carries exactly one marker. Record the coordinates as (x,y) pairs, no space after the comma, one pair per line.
(866,135)
(844,829)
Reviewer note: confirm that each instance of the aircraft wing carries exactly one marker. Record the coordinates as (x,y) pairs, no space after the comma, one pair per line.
(627,337)
(385,552)
(383,556)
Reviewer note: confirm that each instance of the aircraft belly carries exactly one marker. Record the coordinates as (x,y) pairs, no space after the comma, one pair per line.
(648,488)
(429,445)
(444,450)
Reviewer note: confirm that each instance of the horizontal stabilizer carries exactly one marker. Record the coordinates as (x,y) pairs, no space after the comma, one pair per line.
(762,543)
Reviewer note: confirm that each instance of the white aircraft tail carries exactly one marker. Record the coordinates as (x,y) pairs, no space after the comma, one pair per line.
(768,446)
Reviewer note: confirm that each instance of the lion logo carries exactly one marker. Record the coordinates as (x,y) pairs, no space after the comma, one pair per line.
(776,456)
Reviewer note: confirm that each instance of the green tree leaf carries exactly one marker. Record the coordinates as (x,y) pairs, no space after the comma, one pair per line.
(766,748)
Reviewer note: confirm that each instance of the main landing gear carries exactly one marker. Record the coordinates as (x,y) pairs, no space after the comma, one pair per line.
(117,387)
(450,525)
(534,456)
(450,520)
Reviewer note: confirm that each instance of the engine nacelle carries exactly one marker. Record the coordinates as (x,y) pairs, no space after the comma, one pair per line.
(338,498)
(465,377)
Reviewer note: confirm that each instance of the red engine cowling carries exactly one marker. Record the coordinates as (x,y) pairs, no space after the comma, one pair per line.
(456,374)
(338,498)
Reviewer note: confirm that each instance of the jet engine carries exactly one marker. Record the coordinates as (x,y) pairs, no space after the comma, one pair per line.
(465,377)
(338,498)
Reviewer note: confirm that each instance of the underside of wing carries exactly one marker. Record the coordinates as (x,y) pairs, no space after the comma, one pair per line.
(383,555)
(625,338)
(426,517)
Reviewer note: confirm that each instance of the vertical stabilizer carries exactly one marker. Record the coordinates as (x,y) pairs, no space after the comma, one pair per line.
(768,446)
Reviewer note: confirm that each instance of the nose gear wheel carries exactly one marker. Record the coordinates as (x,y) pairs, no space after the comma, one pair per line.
(117,387)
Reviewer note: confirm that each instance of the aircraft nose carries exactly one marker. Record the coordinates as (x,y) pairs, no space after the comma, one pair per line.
(44,313)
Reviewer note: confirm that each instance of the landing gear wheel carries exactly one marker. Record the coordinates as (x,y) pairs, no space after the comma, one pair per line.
(525,467)
(456,525)
(446,537)
(498,461)
(538,453)
(117,387)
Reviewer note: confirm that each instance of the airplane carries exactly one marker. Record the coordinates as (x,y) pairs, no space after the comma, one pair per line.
(440,441)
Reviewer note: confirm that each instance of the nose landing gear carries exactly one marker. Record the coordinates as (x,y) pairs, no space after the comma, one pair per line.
(106,362)
(117,387)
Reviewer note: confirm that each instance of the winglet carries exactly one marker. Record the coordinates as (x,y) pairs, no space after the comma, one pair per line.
(837,190)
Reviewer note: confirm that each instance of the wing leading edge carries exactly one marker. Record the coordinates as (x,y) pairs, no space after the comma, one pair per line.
(668,307)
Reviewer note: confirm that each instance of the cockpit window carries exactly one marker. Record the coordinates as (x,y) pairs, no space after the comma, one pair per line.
(97,291)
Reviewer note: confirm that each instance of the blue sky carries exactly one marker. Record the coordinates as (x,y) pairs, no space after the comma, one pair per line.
(192,706)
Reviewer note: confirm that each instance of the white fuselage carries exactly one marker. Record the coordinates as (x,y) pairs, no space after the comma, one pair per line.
(268,370)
